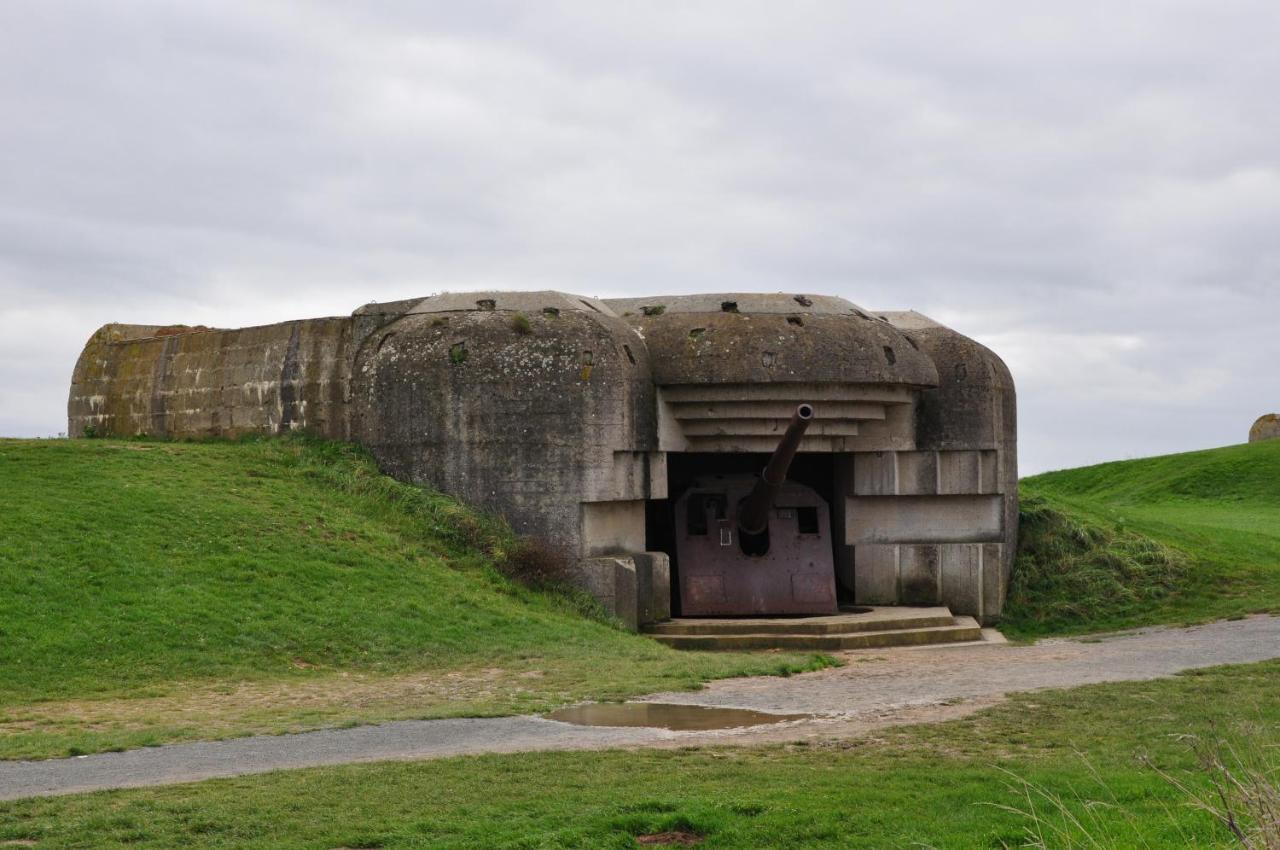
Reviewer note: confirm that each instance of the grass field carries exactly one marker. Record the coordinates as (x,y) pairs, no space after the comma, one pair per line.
(157,591)
(1173,539)
(944,786)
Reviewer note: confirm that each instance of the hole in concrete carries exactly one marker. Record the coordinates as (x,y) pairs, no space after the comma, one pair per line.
(696,333)
(553,312)
(768,359)
(911,342)
(729,306)
(660,715)
(890,356)
(804,301)
(654,310)
(630,356)
(795,320)
(962,371)
(486,304)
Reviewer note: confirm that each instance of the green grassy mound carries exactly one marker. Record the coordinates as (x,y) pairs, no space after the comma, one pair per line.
(1179,538)
(132,570)
(1073,572)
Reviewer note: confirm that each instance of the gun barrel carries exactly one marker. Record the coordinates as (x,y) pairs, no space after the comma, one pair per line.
(753,513)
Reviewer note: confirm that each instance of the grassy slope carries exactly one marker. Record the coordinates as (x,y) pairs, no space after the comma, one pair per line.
(1178,538)
(136,571)
(938,786)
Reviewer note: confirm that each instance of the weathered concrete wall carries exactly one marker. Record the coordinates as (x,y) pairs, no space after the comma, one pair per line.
(530,408)
(732,367)
(754,339)
(938,525)
(183,382)
(1266,428)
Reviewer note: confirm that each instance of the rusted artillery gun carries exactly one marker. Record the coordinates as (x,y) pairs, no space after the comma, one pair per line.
(753,511)
(752,545)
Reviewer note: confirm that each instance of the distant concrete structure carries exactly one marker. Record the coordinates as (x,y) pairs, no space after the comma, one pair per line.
(583,422)
(1266,428)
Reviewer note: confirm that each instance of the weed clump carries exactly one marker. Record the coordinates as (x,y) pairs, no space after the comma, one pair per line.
(520,324)
(1072,573)
(535,564)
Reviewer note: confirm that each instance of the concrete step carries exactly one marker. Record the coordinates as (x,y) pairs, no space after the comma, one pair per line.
(882,618)
(960,629)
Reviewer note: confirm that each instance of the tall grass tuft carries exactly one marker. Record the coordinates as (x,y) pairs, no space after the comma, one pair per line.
(1243,792)
(1072,572)
(1235,781)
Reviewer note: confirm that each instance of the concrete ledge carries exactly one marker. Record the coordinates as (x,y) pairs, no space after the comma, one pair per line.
(924,519)
(889,618)
(612,582)
(963,629)
(653,587)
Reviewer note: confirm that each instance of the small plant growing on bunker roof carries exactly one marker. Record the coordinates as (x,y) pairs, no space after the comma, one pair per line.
(520,324)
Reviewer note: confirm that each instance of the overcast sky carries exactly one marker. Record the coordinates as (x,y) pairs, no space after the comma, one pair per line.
(1090,189)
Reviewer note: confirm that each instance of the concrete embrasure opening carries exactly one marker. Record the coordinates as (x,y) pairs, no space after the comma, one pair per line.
(672,716)
(684,469)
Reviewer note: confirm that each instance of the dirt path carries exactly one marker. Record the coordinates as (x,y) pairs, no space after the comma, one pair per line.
(874,689)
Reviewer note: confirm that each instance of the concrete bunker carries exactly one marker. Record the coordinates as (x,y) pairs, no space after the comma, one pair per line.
(1267,427)
(614,430)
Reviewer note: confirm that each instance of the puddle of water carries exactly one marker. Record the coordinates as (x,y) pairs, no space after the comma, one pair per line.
(660,715)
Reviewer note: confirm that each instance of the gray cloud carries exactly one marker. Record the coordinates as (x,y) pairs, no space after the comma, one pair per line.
(1092,190)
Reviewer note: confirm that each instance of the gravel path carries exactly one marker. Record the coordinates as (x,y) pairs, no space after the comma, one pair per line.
(400,740)
(876,680)
(876,688)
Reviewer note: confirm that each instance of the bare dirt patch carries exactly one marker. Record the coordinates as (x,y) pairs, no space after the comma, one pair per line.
(829,731)
(219,710)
